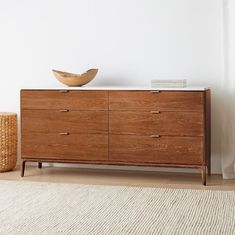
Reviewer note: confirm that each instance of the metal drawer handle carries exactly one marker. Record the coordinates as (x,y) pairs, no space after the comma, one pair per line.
(63,91)
(155,136)
(64,133)
(64,110)
(155,91)
(155,112)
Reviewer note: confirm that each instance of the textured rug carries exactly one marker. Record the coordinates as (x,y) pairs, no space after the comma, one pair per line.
(49,208)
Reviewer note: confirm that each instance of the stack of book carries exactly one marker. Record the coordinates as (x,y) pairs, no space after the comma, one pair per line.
(179,83)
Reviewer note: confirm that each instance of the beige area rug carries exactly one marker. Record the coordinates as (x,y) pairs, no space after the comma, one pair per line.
(50,208)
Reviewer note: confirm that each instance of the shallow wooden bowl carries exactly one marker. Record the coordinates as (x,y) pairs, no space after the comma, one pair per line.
(71,79)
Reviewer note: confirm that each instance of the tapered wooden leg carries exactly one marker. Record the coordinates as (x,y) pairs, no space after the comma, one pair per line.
(40,165)
(209,168)
(22,168)
(203,172)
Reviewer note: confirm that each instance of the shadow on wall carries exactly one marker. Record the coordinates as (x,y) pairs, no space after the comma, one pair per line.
(216,137)
(111,81)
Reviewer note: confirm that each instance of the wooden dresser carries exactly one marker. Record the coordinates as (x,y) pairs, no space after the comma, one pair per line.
(144,127)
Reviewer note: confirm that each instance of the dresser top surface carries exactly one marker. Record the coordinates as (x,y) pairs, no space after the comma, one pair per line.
(131,88)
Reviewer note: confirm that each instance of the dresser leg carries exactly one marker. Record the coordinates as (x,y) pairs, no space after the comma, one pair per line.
(40,165)
(209,168)
(203,172)
(22,168)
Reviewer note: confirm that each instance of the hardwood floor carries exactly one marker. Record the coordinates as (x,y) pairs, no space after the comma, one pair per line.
(119,177)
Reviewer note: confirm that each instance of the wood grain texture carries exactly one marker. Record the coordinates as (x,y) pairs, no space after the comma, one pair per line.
(162,101)
(168,150)
(72,100)
(71,79)
(55,121)
(208,130)
(166,128)
(150,123)
(70,147)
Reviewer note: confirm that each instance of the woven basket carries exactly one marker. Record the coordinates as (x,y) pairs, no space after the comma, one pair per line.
(8,141)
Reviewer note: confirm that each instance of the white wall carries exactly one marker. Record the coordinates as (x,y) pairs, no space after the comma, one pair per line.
(130,41)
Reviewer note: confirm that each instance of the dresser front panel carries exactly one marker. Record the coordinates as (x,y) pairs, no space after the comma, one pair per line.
(87,147)
(72,100)
(162,150)
(166,127)
(55,121)
(161,101)
(153,122)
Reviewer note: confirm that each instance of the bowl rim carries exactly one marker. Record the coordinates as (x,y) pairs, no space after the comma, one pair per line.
(68,74)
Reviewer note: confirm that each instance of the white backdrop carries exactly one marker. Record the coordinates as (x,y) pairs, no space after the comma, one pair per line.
(228,118)
(130,41)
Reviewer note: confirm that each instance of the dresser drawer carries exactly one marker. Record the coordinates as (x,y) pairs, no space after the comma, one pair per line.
(56,99)
(55,121)
(65,147)
(162,101)
(154,122)
(163,150)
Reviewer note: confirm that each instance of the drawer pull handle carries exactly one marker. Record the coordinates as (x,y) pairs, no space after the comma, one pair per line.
(64,133)
(64,110)
(64,91)
(155,112)
(155,91)
(155,136)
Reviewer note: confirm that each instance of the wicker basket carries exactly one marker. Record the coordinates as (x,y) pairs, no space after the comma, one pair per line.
(8,141)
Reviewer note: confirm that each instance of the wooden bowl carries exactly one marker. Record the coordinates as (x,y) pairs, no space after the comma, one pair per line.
(71,79)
